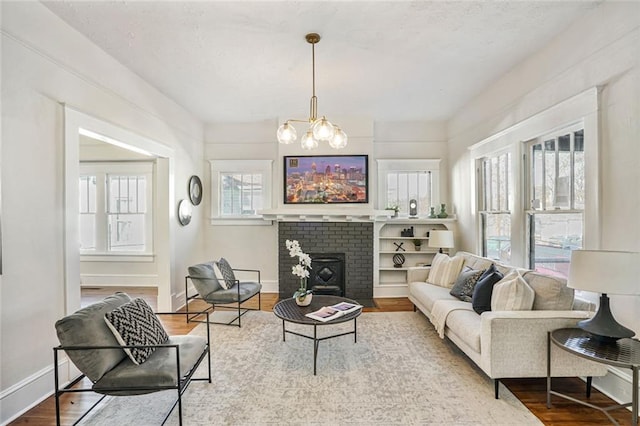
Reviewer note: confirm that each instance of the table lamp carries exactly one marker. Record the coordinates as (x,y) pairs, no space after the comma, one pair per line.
(605,272)
(440,239)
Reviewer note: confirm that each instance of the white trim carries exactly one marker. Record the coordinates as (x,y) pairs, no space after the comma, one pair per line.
(74,121)
(114,280)
(109,257)
(217,167)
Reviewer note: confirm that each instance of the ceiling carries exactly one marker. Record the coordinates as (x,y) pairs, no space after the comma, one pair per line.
(247,61)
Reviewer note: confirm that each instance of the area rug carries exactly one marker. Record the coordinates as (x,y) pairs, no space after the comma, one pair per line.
(398,373)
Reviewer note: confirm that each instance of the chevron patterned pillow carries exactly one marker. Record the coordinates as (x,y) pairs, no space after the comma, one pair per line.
(228,276)
(134,323)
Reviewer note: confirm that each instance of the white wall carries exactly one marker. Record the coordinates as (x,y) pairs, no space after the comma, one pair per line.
(256,246)
(602,49)
(45,63)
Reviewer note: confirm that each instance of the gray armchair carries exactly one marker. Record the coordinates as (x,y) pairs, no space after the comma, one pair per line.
(224,292)
(92,347)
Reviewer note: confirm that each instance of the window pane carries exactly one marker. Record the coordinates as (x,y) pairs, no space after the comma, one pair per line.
(486,173)
(550,173)
(126,232)
(497,236)
(563,192)
(553,236)
(537,176)
(392,189)
(87,194)
(424,193)
(242,193)
(87,231)
(405,186)
(578,170)
(495,184)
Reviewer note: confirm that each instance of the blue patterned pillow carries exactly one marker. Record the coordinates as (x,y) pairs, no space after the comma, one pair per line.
(228,276)
(134,323)
(465,284)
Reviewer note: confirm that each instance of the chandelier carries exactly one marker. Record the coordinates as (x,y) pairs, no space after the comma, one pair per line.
(320,129)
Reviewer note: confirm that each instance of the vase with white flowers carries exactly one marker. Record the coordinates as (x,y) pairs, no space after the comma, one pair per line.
(302,296)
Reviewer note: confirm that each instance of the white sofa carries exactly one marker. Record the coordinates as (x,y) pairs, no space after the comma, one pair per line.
(509,344)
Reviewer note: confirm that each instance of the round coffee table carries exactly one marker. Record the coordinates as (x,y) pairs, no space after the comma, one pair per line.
(288,311)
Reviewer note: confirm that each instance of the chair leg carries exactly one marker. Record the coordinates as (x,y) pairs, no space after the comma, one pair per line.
(589,381)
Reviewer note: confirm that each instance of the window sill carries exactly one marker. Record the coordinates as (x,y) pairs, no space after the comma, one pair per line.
(256,220)
(112,257)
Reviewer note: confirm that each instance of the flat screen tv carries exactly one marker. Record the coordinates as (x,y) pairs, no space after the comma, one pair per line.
(326,179)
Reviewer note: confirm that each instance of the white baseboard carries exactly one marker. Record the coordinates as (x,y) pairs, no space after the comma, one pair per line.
(26,394)
(114,280)
(617,385)
(390,291)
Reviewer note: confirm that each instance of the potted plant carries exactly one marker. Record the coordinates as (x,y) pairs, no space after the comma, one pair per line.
(395,209)
(418,244)
(302,296)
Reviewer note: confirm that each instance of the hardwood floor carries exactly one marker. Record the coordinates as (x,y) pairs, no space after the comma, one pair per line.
(532,392)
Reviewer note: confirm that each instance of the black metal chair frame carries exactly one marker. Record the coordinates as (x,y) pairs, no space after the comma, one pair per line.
(181,384)
(231,305)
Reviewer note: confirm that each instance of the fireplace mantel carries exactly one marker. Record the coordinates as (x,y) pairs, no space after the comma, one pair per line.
(325,215)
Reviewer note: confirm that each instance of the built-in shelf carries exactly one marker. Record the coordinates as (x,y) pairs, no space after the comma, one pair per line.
(389,237)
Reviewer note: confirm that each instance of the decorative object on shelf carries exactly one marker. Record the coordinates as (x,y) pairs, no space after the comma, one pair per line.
(320,129)
(443,211)
(413,209)
(441,239)
(399,246)
(432,213)
(407,232)
(589,273)
(395,209)
(398,260)
(417,244)
(195,190)
(184,212)
(302,296)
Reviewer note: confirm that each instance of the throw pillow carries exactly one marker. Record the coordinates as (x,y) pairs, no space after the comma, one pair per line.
(481,299)
(444,270)
(134,323)
(228,276)
(465,283)
(512,294)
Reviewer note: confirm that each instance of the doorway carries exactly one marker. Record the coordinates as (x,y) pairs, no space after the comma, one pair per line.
(78,124)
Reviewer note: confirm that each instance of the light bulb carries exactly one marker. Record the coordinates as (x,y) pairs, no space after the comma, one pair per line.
(287,134)
(339,140)
(323,130)
(308,141)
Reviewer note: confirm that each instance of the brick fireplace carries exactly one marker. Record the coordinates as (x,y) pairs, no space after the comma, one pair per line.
(352,240)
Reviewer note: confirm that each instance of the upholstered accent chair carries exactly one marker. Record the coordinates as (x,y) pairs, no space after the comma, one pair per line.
(216,284)
(94,347)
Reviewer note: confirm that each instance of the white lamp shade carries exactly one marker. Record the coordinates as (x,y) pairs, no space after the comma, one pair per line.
(610,272)
(440,239)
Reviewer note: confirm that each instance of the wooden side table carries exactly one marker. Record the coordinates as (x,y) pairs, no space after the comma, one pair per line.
(624,353)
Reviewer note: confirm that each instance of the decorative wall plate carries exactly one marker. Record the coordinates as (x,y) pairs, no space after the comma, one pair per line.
(184,212)
(195,190)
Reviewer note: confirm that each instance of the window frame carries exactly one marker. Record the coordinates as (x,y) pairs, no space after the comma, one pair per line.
(102,170)
(387,167)
(485,197)
(220,167)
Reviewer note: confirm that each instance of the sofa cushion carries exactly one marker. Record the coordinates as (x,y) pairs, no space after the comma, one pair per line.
(134,323)
(467,326)
(204,279)
(86,327)
(465,283)
(481,299)
(228,276)
(444,270)
(551,293)
(427,293)
(512,293)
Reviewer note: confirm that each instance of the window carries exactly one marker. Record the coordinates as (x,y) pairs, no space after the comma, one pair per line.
(495,206)
(557,199)
(240,190)
(400,181)
(115,208)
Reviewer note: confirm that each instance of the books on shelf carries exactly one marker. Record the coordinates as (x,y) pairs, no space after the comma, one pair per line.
(327,313)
